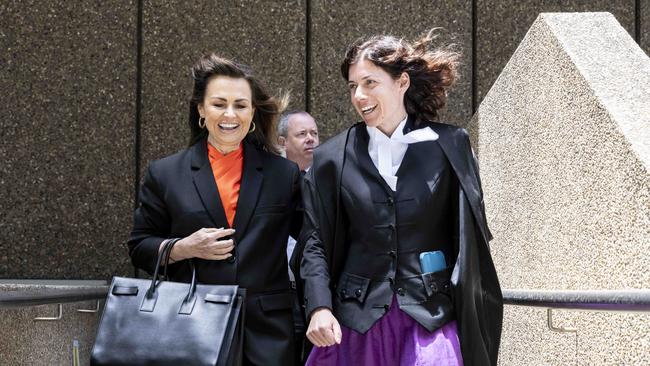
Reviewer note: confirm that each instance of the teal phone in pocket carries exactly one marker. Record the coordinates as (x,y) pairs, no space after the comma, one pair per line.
(432,261)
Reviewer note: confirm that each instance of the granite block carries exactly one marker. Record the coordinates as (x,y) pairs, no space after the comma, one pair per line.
(25,341)
(502,24)
(336,24)
(66,178)
(564,151)
(269,36)
(644,16)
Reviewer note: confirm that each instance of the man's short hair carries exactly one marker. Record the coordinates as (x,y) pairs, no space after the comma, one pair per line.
(283,125)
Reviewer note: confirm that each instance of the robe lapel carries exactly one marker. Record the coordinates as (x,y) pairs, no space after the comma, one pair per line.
(205,184)
(251,183)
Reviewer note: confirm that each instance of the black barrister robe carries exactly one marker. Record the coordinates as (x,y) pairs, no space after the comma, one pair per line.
(475,288)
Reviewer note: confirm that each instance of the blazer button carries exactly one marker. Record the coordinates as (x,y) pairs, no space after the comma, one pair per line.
(390,201)
(357,292)
(391,227)
(344,293)
(400,291)
(386,307)
(231,259)
(393,254)
(433,286)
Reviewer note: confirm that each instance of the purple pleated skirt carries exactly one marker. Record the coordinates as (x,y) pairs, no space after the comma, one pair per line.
(396,339)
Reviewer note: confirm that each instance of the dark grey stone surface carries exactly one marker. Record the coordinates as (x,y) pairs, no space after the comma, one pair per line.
(66,180)
(502,24)
(644,15)
(267,35)
(336,24)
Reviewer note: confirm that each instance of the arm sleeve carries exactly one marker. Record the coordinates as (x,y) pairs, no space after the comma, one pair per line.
(296,205)
(314,269)
(151,224)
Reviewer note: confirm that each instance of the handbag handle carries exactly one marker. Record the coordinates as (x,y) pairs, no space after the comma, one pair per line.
(167,257)
(165,253)
(167,248)
(192,289)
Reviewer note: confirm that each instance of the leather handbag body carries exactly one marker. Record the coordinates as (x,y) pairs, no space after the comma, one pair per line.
(159,322)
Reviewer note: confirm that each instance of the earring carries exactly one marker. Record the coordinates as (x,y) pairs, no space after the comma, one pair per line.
(252,129)
(201,122)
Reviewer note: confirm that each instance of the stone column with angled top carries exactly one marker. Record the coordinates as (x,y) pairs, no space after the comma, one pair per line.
(563,139)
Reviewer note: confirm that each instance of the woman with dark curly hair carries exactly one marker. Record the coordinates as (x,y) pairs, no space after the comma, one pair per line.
(396,263)
(232,200)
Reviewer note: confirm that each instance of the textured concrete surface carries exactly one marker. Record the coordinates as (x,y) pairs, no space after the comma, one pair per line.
(24,341)
(501,25)
(66,122)
(337,24)
(644,16)
(267,35)
(564,150)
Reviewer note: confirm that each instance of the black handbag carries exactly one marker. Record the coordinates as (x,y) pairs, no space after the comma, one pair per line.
(159,322)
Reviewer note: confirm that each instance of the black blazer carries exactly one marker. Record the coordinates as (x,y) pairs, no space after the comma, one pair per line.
(179,196)
(478,303)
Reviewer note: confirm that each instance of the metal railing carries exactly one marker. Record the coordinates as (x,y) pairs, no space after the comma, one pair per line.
(590,300)
(18,298)
(596,300)
(600,300)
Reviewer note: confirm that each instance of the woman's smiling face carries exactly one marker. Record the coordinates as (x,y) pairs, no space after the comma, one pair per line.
(228,111)
(376,96)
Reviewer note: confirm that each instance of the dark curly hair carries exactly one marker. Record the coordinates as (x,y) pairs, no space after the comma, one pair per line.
(432,71)
(267,107)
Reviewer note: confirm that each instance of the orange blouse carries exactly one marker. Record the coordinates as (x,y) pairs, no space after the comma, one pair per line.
(227,171)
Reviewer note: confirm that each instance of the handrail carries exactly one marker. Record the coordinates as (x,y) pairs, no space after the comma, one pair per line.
(595,300)
(29,298)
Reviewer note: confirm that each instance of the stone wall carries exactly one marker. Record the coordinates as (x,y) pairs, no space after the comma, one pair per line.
(564,149)
(26,341)
(94,92)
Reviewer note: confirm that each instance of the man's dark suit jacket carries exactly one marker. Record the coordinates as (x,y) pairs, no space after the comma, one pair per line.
(179,196)
(475,288)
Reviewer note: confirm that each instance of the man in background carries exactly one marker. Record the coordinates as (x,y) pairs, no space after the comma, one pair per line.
(297,137)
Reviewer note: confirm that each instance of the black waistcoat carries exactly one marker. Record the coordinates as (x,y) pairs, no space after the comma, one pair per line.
(388,230)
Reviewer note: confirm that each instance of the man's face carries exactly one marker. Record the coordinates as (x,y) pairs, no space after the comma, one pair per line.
(302,138)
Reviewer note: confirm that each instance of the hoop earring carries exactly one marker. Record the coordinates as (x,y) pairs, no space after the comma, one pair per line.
(252,129)
(201,119)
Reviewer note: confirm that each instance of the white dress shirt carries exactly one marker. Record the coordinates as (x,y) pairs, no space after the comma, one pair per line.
(387,153)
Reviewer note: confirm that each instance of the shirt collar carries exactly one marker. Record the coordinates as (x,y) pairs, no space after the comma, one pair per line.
(413,136)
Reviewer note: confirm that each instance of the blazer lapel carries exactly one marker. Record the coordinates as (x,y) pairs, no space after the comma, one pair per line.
(251,183)
(205,184)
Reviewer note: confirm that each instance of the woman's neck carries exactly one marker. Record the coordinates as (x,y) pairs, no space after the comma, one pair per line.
(389,127)
(223,149)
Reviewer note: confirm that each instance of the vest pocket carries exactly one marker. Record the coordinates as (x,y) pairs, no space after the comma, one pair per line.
(435,282)
(353,287)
